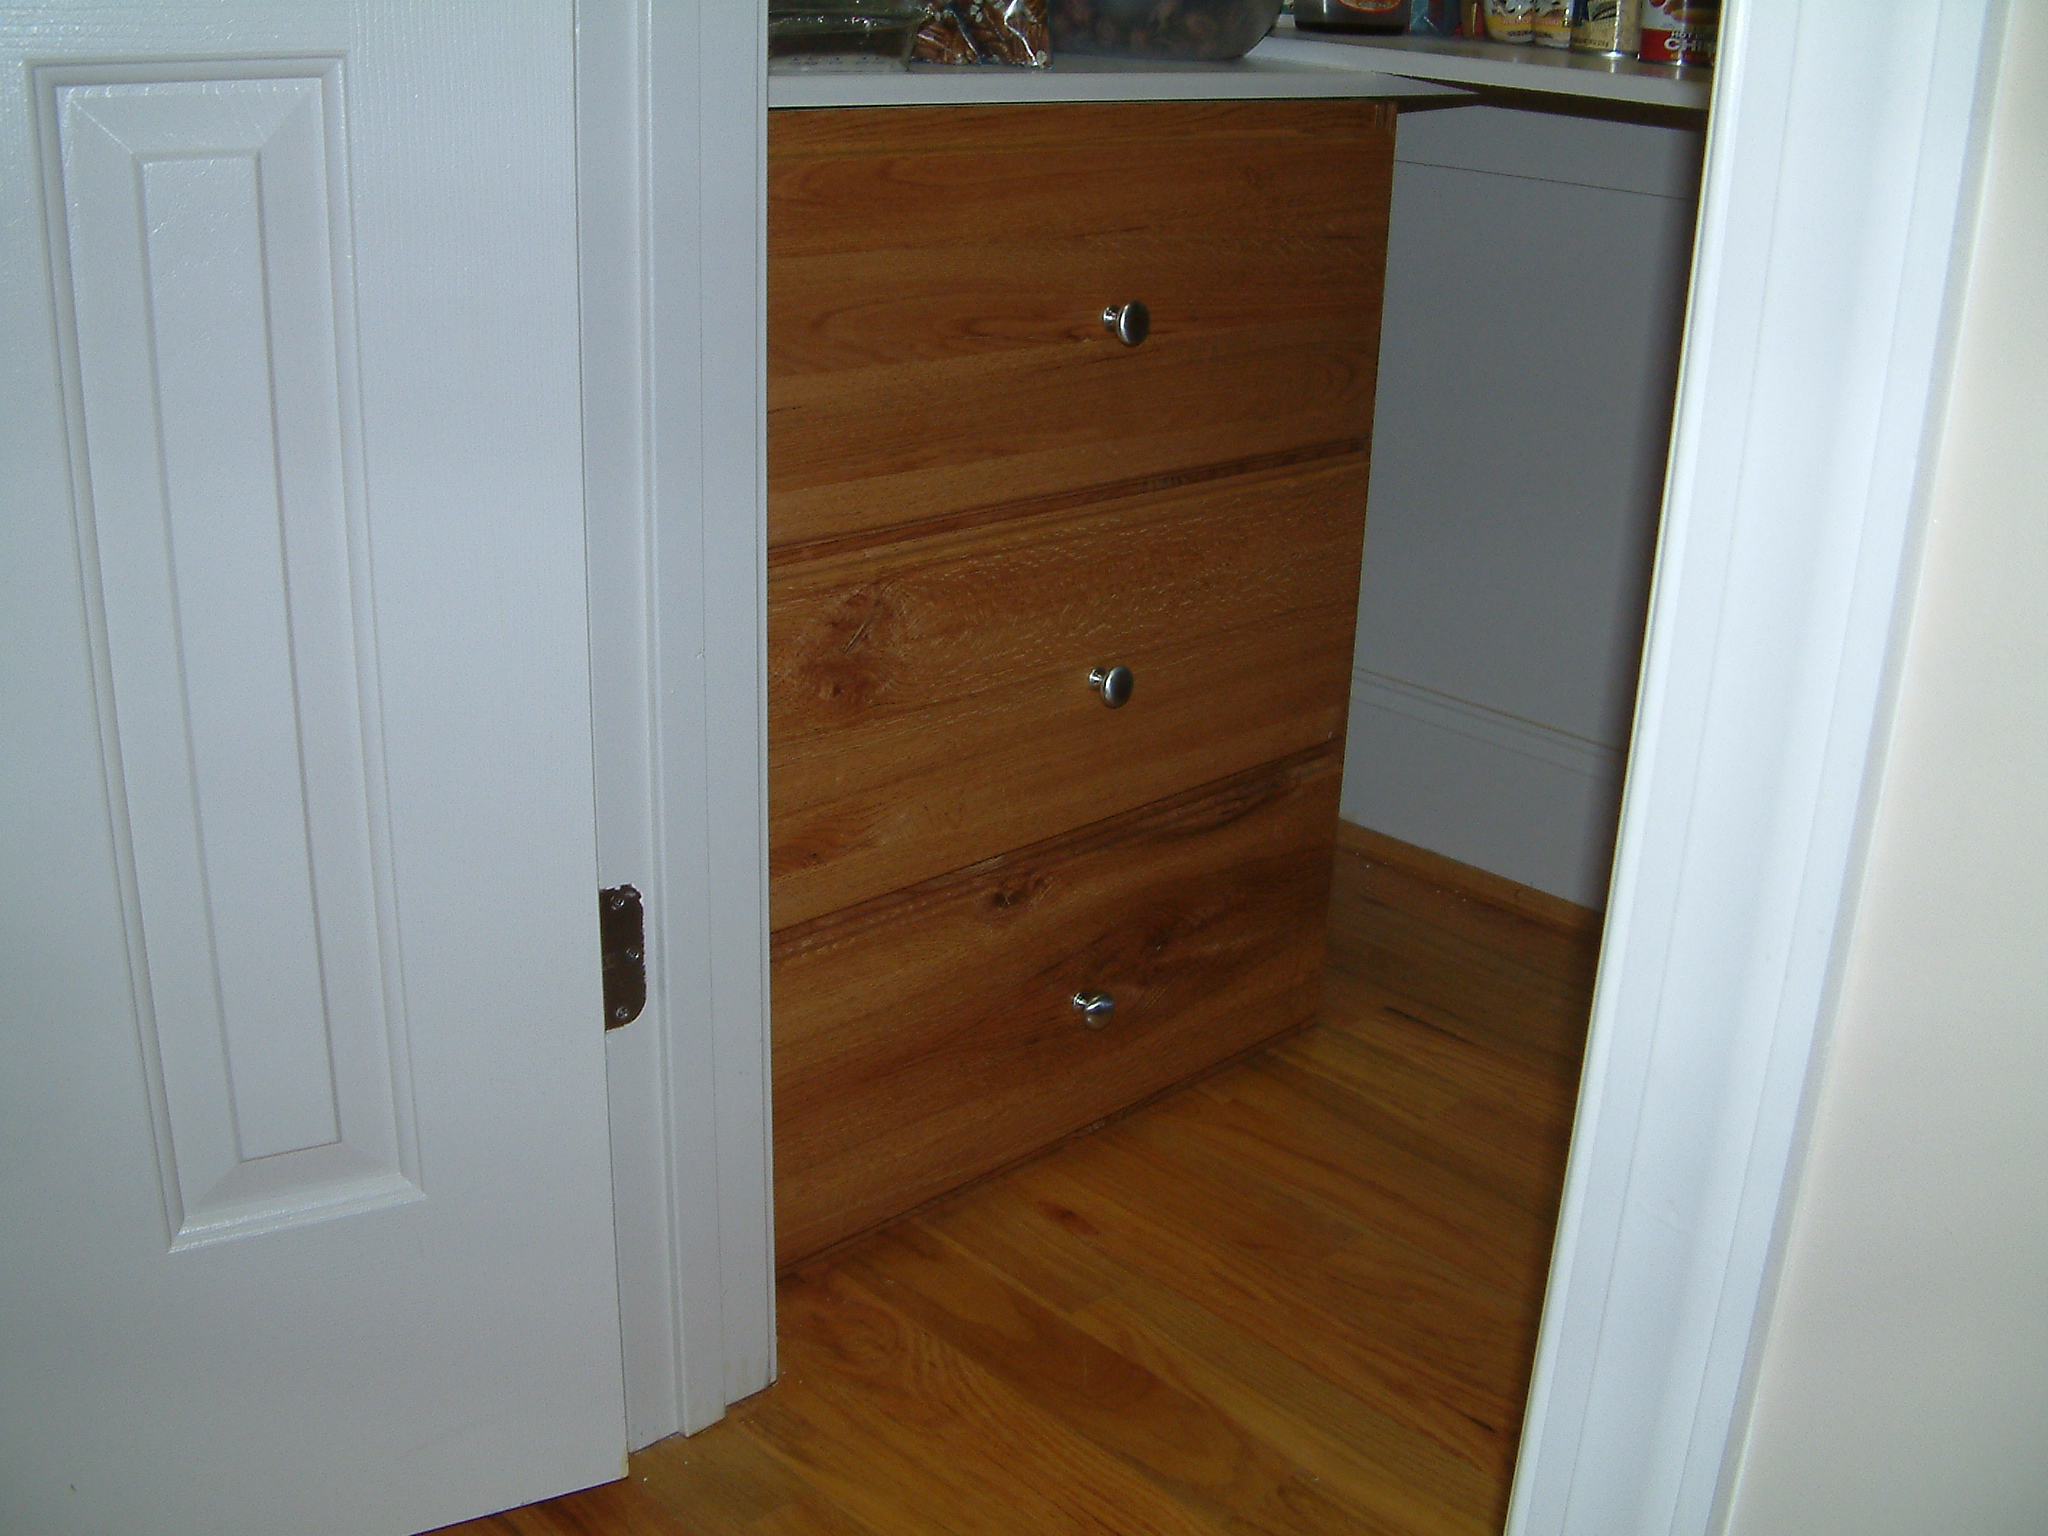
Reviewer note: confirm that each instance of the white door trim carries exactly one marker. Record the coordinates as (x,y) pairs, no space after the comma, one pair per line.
(1841,166)
(672,100)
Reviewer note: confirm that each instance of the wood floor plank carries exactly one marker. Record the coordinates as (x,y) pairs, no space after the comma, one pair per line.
(913,1436)
(725,1483)
(1513,1157)
(811,1518)
(1477,995)
(999,1225)
(1372,1178)
(1176,1439)
(1376,903)
(1379,1074)
(1568,950)
(1375,1463)
(1390,1478)
(1299,1297)
(1261,1298)
(1429,1315)
(623,1508)
(1443,1063)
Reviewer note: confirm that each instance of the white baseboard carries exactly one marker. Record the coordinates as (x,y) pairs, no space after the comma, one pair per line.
(1511,796)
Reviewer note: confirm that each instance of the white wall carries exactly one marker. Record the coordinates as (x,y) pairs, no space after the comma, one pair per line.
(1536,276)
(1903,1385)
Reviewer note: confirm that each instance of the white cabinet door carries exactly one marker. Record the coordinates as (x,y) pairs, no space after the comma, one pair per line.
(305,1209)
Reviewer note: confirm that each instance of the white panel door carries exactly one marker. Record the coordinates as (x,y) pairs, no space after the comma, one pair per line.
(305,1203)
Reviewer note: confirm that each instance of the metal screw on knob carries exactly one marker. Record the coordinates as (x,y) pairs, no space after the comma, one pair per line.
(1114,684)
(1094,1008)
(1130,323)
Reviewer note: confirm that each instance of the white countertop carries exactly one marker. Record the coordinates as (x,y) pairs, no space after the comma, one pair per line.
(1084,79)
(1287,64)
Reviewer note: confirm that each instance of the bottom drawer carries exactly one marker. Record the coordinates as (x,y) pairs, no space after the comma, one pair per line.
(929,1036)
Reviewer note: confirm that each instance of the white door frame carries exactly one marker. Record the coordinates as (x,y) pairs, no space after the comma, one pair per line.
(1839,188)
(672,101)
(1839,184)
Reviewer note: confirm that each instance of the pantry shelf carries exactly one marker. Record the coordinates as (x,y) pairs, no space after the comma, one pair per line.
(1493,66)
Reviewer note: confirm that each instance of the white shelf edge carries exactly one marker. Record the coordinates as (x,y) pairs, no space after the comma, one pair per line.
(1084,79)
(1495,66)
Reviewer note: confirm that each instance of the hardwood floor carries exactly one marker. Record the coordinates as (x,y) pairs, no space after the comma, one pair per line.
(1300,1296)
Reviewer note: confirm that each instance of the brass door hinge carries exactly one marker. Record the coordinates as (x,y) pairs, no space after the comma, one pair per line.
(622,934)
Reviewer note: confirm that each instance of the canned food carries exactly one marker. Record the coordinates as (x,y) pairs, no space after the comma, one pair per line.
(1551,27)
(1680,31)
(1352,15)
(1433,17)
(1608,26)
(1509,21)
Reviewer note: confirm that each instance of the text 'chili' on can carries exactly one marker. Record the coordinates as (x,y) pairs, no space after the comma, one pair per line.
(1680,31)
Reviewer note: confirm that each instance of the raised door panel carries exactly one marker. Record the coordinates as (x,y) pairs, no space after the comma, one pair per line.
(937,279)
(930,1036)
(207,237)
(929,700)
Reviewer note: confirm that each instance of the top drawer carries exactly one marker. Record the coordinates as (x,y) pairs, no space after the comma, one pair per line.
(937,278)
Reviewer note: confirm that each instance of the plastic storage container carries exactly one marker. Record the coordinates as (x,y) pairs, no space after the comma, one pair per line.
(1161,29)
(837,33)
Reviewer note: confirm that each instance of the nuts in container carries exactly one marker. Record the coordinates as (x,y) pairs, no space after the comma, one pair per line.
(984,32)
(1161,29)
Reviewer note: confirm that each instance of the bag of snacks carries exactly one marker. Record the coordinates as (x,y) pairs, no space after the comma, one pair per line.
(984,32)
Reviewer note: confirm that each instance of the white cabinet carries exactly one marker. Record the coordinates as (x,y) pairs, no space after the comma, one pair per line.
(1537,265)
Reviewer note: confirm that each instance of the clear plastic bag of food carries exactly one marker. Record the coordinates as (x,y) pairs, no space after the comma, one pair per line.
(984,32)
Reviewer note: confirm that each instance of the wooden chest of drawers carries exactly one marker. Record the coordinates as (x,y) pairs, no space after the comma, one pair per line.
(978,496)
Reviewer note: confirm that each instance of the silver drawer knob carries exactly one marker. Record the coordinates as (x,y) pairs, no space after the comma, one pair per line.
(1114,684)
(1130,323)
(1094,1008)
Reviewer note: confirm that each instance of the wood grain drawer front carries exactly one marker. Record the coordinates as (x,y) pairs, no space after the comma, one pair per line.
(936,282)
(929,1037)
(929,703)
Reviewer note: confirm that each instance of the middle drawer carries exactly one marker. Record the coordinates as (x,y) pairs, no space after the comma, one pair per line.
(929,701)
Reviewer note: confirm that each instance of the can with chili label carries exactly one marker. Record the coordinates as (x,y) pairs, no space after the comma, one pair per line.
(1680,31)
